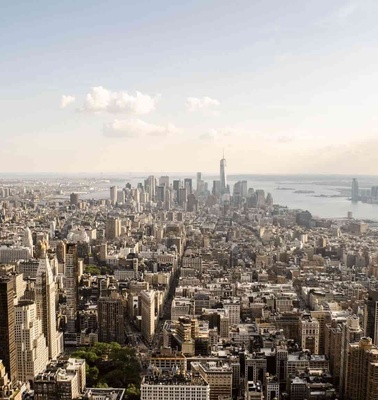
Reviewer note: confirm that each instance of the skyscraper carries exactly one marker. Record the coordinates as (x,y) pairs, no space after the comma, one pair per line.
(113,194)
(71,283)
(8,351)
(188,185)
(112,228)
(223,176)
(361,381)
(27,240)
(32,351)
(147,299)
(355,192)
(74,199)
(45,299)
(111,322)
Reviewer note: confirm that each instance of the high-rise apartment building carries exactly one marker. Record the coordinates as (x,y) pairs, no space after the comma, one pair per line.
(8,352)
(74,269)
(32,350)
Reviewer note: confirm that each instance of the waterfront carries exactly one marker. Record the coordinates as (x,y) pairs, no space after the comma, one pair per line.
(322,185)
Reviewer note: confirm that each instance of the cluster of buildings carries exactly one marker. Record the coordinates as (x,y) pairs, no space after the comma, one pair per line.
(223,294)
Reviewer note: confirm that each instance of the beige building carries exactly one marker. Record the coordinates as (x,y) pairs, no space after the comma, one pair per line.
(148,306)
(310,331)
(32,350)
(361,381)
(218,377)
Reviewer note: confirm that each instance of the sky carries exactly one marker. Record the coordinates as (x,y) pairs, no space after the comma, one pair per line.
(147,86)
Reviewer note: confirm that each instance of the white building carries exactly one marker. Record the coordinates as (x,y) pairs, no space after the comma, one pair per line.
(174,389)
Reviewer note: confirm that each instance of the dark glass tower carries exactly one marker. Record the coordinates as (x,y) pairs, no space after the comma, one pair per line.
(7,328)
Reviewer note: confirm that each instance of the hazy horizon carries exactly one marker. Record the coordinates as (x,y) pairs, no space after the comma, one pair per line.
(129,86)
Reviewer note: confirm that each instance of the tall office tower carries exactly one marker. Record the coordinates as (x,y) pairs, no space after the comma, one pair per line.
(237,194)
(188,185)
(269,200)
(199,181)
(147,299)
(45,298)
(223,176)
(121,197)
(164,181)
(192,203)
(32,350)
(168,199)
(351,333)
(310,334)
(160,193)
(111,318)
(27,240)
(113,194)
(74,199)
(8,352)
(150,187)
(260,197)
(112,228)
(244,188)
(216,188)
(136,195)
(371,316)
(361,382)
(182,197)
(73,272)
(355,192)
(176,188)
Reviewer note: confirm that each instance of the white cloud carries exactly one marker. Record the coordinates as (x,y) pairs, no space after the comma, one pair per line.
(135,127)
(101,99)
(201,103)
(66,100)
(218,134)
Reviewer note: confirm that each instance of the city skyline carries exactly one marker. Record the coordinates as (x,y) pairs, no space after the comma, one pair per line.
(129,87)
